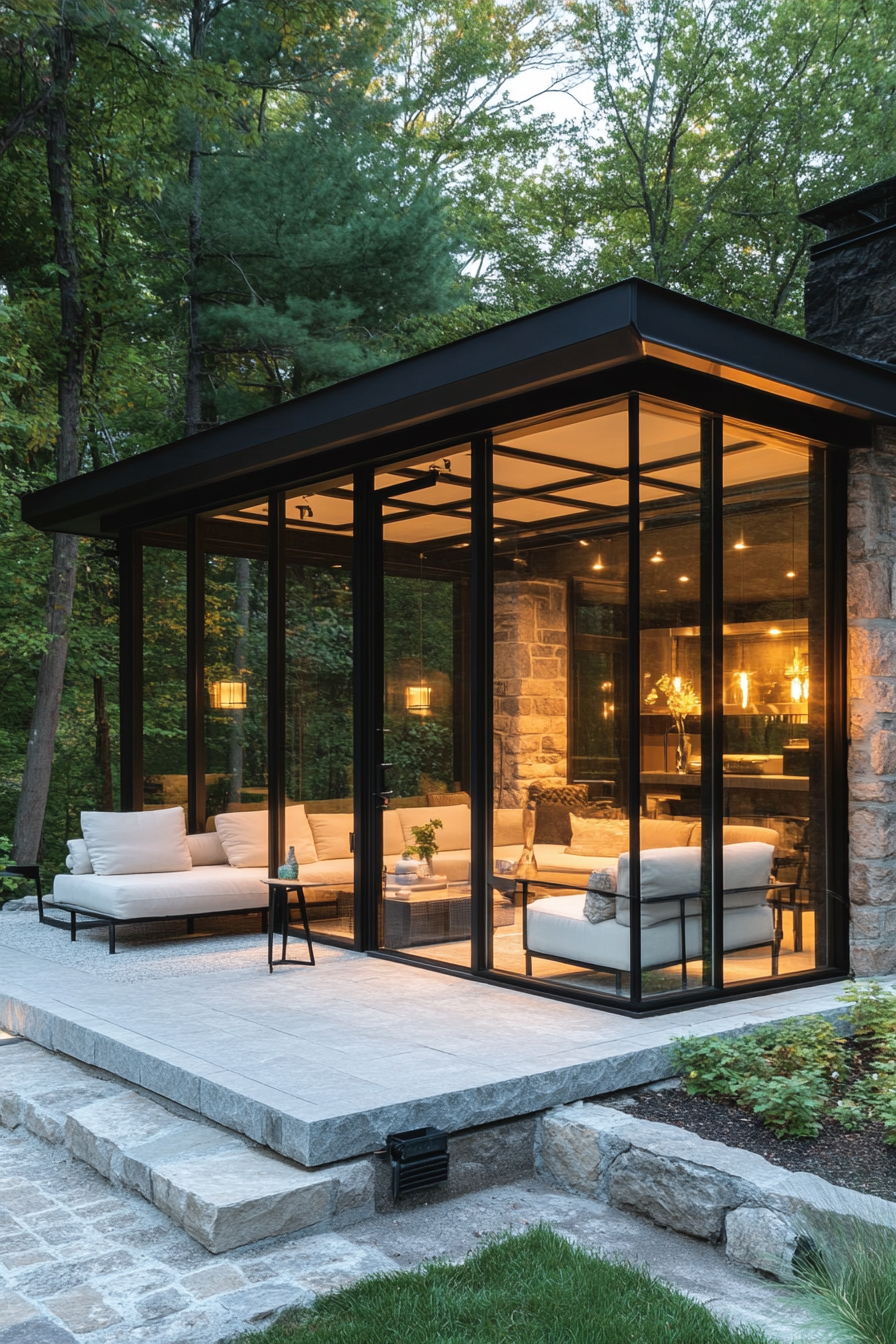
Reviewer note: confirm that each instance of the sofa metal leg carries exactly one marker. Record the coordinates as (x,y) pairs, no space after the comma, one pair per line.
(111,939)
(74,925)
(191,923)
(618,982)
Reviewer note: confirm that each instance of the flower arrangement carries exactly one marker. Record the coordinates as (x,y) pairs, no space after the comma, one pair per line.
(681,697)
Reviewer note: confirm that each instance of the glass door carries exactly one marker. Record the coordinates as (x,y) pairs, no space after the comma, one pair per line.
(423,511)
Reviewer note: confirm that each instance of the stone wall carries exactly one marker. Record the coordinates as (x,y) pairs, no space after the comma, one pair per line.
(851,298)
(531,636)
(871,614)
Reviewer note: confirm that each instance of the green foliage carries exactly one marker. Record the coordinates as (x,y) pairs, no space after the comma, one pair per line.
(425,846)
(849,1279)
(536,1288)
(872,1012)
(10,885)
(792,1107)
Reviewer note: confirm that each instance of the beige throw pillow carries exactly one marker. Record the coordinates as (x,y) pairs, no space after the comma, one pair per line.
(455,829)
(137,842)
(593,835)
(508,826)
(244,836)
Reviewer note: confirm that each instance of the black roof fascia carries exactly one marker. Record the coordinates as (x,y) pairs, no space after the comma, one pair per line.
(832,211)
(651,377)
(612,326)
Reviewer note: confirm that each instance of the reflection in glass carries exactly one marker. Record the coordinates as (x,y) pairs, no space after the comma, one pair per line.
(165,674)
(426,907)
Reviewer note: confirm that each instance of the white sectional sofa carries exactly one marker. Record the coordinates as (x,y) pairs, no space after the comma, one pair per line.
(223,871)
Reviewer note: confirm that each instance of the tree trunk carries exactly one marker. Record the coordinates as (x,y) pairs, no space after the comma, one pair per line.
(61,587)
(103,749)
(200,410)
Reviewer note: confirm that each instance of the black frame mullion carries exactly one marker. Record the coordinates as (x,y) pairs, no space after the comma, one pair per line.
(836,786)
(130,685)
(634,696)
(481,680)
(276,678)
(711,694)
(195,675)
(367,605)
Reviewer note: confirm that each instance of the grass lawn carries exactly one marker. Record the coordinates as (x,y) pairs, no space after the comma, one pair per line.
(529,1289)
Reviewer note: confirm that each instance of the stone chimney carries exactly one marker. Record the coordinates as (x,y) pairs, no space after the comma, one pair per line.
(851,284)
(851,306)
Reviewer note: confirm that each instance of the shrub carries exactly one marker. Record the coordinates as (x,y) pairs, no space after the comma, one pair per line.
(10,885)
(873,1011)
(791,1107)
(715,1067)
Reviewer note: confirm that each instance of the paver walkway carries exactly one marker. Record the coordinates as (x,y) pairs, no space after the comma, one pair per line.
(83,1260)
(321,1063)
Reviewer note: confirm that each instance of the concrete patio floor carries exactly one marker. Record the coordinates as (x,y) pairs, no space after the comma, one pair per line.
(321,1063)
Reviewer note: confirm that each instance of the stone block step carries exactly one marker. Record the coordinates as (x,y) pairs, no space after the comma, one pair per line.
(223,1190)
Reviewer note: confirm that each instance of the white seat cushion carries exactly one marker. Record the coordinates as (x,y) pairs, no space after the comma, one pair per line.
(556,926)
(154,895)
(137,842)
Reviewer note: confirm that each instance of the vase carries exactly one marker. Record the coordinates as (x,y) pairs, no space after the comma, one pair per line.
(682,752)
(407,871)
(289,869)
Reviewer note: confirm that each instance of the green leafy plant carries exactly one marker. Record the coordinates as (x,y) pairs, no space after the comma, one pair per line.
(872,1012)
(791,1107)
(425,838)
(10,883)
(712,1066)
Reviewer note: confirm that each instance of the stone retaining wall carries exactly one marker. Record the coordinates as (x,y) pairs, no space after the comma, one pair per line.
(695,1185)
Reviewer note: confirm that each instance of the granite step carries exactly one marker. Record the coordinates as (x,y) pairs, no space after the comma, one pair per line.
(223,1190)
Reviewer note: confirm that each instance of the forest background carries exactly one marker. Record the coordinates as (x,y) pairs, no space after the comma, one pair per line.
(209,206)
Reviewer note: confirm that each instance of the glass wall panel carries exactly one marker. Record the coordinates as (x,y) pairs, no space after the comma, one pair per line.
(165,669)
(426,907)
(561,713)
(236,626)
(671,699)
(774,691)
(319,745)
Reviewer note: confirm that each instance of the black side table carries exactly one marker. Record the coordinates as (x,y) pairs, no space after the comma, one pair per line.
(278,908)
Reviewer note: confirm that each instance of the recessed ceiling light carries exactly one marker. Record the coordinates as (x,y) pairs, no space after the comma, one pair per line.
(599,565)
(740,545)
(774,630)
(683,578)
(657,559)
(582,543)
(791,574)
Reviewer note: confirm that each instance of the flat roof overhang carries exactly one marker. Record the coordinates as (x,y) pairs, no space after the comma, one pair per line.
(632,335)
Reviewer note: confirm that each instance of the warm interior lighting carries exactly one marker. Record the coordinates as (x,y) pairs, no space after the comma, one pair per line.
(798,672)
(599,565)
(227,694)
(676,684)
(683,578)
(418,699)
(740,545)
(743,681)
(791,574)
(582,543)
(657,559)
(774,631)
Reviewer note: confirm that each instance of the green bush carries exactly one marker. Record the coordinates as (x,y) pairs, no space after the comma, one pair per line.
(10,885)
(872,1015)
(791,1107)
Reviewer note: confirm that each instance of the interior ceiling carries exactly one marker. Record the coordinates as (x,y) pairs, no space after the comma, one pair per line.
(569,471)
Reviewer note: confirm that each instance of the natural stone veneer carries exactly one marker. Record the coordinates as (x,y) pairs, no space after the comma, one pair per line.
(531,637)
(871,613)
(695,1185)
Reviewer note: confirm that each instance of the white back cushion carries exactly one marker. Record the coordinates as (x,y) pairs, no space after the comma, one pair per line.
(508,826)
(393,836)
(137,842)
(206,849)
(676,872)
(78,858)
(455,831)
(244,836)
(331,831)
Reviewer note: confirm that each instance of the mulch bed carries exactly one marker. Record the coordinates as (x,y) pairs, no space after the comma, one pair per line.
(860,1161)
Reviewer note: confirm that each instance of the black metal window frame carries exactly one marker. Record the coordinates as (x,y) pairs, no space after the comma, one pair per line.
(367,580)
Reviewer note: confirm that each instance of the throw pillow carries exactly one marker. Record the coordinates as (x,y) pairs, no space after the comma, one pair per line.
(448,799)
(552,824)
(602,879)
(508,826)
(244,836)
(596,836)
(78,859)
(206,849)
(568,795)
(137,842)
(455,829)
(599,907)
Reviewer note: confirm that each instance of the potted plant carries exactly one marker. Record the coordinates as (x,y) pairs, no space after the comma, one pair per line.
(425,846)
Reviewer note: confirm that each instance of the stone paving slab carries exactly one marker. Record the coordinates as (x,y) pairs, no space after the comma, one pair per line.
(210,1181)
(320,1065)
(101,1250)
